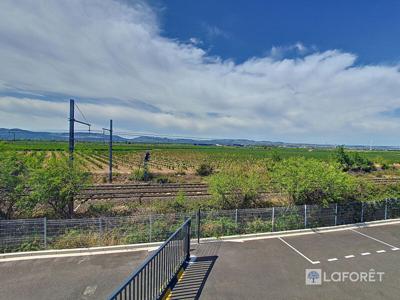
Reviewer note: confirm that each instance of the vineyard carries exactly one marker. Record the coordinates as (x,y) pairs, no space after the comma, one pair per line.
(211,177)
(175,159)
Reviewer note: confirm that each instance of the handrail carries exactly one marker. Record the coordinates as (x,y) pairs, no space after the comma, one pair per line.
(151,274)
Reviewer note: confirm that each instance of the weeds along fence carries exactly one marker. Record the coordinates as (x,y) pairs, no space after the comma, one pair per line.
(36,234)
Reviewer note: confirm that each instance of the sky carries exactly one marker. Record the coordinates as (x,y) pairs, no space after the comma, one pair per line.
(296,71)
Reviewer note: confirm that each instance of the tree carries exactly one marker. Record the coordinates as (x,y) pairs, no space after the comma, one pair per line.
(56,184)
(13,176)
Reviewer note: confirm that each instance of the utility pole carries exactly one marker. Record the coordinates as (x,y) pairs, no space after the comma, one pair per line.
(72,121)
(110,153)
(71,130)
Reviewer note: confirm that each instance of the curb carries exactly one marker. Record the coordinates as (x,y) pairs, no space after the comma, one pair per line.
(303,231)
(83,251)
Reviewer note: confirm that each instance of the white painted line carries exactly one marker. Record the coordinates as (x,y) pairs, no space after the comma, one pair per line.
(298,252)
(365,253)
(332,259)
(381,251)
(349,256)
(395,249)
(375,239)
(299,232)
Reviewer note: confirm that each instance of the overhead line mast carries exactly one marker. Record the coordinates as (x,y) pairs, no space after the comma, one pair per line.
(72,122)
(110,157)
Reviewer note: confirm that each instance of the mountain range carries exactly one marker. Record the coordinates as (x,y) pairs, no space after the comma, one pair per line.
(20,134)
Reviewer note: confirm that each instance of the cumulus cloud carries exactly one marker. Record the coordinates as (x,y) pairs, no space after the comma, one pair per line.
(112,58)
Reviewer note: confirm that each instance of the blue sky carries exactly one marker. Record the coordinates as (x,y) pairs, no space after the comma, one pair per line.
(242,29)
(296,71)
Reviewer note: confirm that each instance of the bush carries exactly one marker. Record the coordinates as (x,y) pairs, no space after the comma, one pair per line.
(309,181)
(237,187)
(218,227)
(140,175)
(258,225)
(353,162)
(100,209)
(204,170)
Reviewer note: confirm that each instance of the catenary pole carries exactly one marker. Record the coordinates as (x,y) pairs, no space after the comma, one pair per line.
(110,152)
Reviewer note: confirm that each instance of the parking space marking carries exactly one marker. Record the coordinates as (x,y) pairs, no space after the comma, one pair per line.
(332,259)
(298,252)
(375,239)
(381,251)
(365,253)
(349,256)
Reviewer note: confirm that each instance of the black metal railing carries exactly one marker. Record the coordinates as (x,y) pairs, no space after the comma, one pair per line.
(153,277)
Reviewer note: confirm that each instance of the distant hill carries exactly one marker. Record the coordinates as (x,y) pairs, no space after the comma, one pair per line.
(20,134)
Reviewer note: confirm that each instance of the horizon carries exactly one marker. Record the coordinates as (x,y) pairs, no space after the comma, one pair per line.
(171,138)
(306,73)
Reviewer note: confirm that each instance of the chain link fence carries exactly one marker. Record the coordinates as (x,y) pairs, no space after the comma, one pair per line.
(36,234)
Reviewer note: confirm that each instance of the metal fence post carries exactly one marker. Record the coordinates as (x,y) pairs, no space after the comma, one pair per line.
(362,212)
(45,232)
(198,225)
(305,215)
(236,218)
(150,227)
(386,208)
(336,211)
(189,225)
(273,219)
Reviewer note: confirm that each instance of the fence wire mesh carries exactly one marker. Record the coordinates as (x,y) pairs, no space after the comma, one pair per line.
(36,234)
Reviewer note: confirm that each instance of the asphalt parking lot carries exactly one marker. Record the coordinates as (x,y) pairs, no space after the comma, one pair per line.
(79,277)
(275,268)
(246,268)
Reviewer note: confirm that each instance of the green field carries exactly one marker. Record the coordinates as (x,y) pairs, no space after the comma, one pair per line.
(192,152)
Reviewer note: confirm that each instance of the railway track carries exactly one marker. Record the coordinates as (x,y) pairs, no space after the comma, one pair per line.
(139,191)
(147,191)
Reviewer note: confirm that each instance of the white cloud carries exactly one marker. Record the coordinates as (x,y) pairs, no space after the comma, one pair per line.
(114,53)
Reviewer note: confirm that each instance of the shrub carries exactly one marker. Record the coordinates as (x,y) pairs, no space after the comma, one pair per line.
(218,227)
(313,182)
(204,170)
(353,162)
(258,225)
(100,209)
(140,175)
(237,187)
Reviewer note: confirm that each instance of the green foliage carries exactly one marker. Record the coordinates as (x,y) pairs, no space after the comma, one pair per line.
(311,181)
(258,225)
(353,162)
(56,184)
(217,227)
(290,220)
(84,239)
(100,209)
(204,170)
(237,187)
(140,175)
(13,176)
